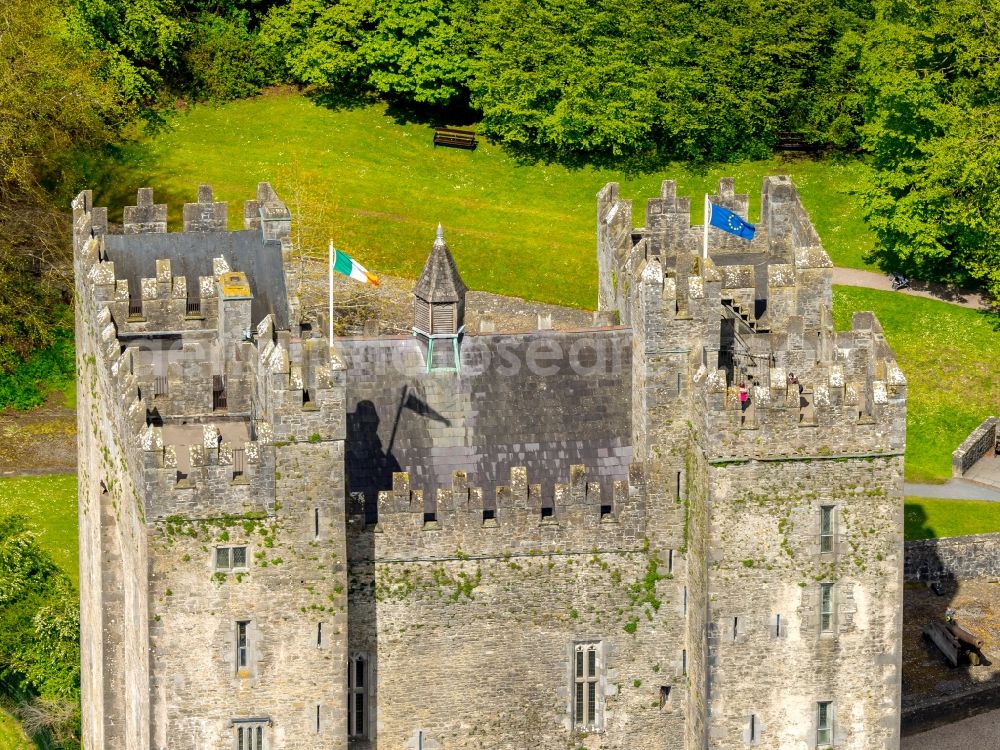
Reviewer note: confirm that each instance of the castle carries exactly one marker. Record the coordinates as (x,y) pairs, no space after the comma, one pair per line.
(458,539)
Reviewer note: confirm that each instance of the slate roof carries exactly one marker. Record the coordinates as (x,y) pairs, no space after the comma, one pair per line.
(543,400)
(440,280)
(191,254)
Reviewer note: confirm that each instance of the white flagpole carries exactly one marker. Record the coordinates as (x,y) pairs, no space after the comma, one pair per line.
(330,271)
(708,218)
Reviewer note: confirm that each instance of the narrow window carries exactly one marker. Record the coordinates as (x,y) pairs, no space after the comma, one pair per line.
(677,495)
(824,723)
(680,384)
(670,561)
(685,600)
(736,627)
(664,695)
(317,718)
(585,686)
(826,607)
(357,697)
(753,728)
(319,634)
(777,626)
(247,733)
(316,522)
(684,661)
(826,528)
(242,644)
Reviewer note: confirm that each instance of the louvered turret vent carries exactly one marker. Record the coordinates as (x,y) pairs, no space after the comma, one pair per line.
(439,306)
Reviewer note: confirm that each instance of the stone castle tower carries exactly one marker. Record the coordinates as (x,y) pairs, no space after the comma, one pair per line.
(547,539)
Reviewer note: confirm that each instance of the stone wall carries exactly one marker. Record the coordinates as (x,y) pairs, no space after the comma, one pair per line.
(473,639)
(293,594)
(113,615)
(959,557)
(768,653)
(981,441)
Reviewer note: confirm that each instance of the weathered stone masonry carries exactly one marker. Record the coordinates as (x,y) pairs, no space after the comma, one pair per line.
(552,539)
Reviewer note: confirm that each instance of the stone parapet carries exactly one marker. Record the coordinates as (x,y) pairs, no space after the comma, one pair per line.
(517,519)
(959,557)
(981,441)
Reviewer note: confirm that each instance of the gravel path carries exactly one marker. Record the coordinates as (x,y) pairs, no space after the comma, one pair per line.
(940,292)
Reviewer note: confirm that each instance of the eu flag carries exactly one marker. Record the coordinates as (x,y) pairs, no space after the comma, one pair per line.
(727,221)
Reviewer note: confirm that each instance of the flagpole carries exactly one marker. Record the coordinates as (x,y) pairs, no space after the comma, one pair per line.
(330,271)
(708,218)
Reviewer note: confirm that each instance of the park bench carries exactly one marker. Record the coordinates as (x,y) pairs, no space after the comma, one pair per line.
(788,141)
(454,138)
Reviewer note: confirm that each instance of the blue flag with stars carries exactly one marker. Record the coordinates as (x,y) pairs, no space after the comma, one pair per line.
(727,221)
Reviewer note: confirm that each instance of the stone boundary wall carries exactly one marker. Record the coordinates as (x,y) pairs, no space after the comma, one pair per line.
(959,557)
(979,442)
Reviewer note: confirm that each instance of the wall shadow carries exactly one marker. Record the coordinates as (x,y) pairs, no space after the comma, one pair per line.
(934,692)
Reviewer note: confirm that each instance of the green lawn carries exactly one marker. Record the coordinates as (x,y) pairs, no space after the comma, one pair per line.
(949,355)
(49,504)
(11,736)
(379,188)
(930,519)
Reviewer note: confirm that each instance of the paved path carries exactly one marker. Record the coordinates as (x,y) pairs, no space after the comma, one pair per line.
(980,732)
(953,489)
(940,292)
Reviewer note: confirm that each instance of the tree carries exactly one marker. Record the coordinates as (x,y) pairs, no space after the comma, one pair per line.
(930,75)
(421,49)
(577,76)
(319,42)
(39,633)
(53,107)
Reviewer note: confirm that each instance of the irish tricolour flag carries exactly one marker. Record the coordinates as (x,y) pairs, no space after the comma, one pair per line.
(345,264)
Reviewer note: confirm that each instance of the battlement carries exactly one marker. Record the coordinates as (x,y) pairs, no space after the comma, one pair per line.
(201,395)
(204,470)
(815,393)
(514,518)
(785,241)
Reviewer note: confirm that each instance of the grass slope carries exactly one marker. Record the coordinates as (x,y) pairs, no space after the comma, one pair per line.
(949,357)
(11,735)
(49,504)
(925,518)
(379,188)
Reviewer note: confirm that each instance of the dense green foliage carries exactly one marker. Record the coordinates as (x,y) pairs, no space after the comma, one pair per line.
(31,380)
(681,80)
(52,108)
(930,78)
(39,634)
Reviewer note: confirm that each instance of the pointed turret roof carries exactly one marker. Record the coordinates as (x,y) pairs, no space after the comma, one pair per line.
(440,281)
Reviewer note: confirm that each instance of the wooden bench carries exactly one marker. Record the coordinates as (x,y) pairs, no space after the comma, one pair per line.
(794,142)
(454,138)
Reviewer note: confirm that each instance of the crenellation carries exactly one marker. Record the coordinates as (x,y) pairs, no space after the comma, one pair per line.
(206,215)
(145,217)
(607,492)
